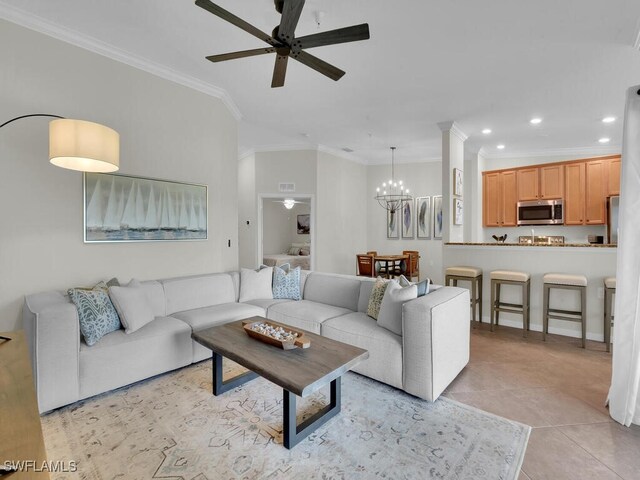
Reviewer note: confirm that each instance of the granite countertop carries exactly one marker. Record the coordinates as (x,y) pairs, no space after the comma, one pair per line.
(499,244)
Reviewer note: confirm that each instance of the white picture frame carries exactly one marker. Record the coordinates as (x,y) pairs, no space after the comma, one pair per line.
(406,220)
(393,222)
(438,225)
(458,211)
(458,182)
(423,218)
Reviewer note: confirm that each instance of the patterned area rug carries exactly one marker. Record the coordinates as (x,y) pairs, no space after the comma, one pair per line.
(172,427)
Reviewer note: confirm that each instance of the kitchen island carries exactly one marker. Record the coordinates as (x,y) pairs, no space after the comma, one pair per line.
(595,261)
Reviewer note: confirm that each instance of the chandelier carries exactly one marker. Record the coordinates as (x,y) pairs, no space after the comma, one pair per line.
(391,195)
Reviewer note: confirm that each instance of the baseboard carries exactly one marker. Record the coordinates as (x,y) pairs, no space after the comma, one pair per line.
(596,337)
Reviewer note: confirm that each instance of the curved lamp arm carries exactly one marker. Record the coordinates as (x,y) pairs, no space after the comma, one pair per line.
(31,115)
(80,145)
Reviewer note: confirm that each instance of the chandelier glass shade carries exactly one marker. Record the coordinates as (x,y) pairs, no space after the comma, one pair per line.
(392,194)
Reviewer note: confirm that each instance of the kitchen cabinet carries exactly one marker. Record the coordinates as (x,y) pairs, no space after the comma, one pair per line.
(574,194)
(595,192)
(528,184)
(613,178)
(500,197)
(552,182)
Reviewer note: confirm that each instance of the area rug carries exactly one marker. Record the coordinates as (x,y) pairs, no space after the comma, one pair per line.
(172,427)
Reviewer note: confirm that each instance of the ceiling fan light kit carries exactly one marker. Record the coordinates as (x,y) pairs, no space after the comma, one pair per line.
(283,41)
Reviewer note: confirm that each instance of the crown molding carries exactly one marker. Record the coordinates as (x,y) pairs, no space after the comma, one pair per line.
(593,151)
(46,27)
(453,127)
(406,161)
(341,154)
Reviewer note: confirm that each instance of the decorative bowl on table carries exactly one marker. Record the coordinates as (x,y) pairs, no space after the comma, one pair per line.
(276,334)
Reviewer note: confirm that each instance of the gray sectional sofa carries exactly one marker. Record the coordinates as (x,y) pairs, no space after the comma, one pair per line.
(432,350)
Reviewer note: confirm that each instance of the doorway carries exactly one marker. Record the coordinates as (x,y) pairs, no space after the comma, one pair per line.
(286,231)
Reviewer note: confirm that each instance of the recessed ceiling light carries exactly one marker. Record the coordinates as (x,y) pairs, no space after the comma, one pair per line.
(608,119)
(604,140)
(486,131)
(500,147)
(535,121)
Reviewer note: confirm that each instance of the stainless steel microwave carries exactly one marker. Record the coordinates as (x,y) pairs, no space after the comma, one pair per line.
(541,212)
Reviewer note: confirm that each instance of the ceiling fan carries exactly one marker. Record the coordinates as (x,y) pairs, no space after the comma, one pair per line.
(283,41)
(289,203)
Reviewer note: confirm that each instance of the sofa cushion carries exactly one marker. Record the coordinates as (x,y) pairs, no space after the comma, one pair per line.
(133,307)
(96,313)
(390,316)
(366,286)
(376,296)
(385,347)
(189,293)
(267,303)
(304,314)
(286,283)
(120,359)
(339,291)
(256,285)
(155,296)
(201,318)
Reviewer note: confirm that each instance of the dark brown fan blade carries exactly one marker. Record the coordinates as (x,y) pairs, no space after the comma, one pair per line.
(290,16)
(237,21)
(279,71)
(318,65)
(333,37)
(245,53)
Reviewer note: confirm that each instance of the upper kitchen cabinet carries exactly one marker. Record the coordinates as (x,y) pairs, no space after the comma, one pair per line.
(528,183)
(613,180)
(595,192)
(500,197)
(552,182)
(574,194)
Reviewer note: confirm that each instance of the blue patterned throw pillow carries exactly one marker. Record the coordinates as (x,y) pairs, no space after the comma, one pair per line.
(286,283)
(95,311)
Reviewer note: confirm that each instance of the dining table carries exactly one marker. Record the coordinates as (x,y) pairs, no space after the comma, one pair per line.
(390,263)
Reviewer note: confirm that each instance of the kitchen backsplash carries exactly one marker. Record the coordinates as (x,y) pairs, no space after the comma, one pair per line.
(571,234)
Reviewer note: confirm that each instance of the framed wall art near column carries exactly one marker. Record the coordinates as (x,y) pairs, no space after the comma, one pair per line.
(407,219)
(437,217)
(423,217)
(123,208)
(393,224)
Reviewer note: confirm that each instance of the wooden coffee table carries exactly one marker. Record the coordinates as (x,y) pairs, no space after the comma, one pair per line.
(300,372)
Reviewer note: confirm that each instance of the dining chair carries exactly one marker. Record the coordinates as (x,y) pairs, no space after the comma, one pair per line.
(365,266)
(413,264)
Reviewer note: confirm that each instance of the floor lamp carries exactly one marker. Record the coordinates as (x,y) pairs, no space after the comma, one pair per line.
(80,145)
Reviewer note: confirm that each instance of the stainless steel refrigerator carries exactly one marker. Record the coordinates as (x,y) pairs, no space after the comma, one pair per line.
(613,207)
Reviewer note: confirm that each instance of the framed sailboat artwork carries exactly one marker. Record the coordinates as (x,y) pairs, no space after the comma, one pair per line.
(123,208)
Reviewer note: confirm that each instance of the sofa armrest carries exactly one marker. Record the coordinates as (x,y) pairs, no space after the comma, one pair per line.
(435,337)
(53,334)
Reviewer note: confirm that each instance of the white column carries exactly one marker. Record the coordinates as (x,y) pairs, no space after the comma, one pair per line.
(474,166)
(452,157)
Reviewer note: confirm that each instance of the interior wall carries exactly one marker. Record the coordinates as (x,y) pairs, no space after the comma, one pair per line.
(280,226)
(422,179)
(167,131)
(342,214)
(247,215)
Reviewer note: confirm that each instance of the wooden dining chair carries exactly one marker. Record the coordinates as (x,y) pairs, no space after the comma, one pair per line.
(365,266)
(372,252)
(413,264)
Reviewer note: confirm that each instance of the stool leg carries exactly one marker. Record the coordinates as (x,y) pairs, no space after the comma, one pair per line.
(545,311)
(492,306)
(447,278)
(525,309)
(607,318)
(455,282)
(480,298)
(528,305)
(583,315)
(498,302)
(474,298)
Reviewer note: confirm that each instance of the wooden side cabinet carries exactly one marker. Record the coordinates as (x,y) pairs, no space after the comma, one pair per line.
(527,184)
(509,199)
(552,182)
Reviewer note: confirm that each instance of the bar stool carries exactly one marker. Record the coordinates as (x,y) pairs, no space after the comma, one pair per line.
(565,282)
(509,277)
(609,292)
(468,274)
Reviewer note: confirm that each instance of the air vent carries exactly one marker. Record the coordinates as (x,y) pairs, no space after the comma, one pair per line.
(287,187)
(348,150)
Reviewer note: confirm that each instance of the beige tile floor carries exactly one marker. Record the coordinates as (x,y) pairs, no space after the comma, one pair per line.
(560,390)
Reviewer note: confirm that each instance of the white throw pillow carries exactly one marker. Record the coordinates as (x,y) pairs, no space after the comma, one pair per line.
(390,316)
(132,305)
(256,285)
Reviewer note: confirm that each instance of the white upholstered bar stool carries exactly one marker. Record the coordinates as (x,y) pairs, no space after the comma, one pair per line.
(468,274)
(510,277)
(609,292)
(565,282)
